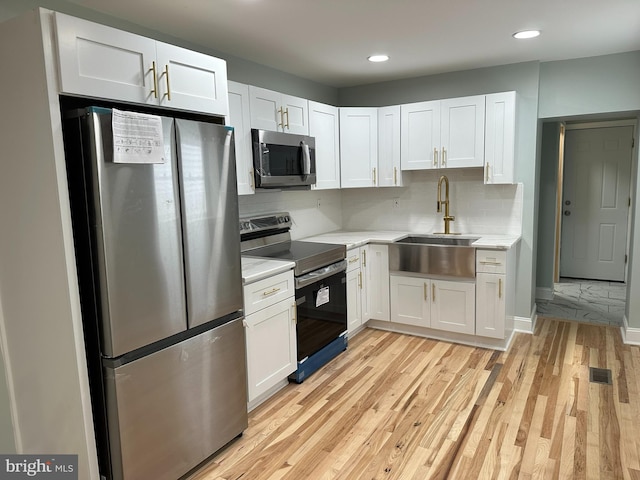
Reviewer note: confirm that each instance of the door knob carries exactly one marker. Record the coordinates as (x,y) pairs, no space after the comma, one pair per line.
(567,213)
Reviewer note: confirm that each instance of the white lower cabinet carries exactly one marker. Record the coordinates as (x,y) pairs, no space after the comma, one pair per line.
(490,305)
(355,290)
(376,272)
(439,304)
(410,300)
(270,334)
(453,305)
(495,303)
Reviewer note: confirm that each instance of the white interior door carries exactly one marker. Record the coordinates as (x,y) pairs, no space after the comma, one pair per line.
(595,204)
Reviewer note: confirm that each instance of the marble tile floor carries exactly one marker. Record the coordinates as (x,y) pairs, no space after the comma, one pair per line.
(591,301)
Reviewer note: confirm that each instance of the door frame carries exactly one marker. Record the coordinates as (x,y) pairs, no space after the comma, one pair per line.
(631,122)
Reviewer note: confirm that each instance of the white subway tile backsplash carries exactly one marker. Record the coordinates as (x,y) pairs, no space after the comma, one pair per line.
(478,208)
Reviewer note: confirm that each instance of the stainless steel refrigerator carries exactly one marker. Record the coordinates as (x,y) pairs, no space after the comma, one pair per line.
(158,254)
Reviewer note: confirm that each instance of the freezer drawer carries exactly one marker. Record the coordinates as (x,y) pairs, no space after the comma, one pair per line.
(169,411)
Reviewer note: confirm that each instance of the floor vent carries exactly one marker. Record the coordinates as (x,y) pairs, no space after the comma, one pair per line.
(600,375)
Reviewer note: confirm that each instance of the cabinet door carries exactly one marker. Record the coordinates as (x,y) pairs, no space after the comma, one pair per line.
(354,299)
(377,280)
(420,135)
(295,114)
(264,107)
(490,305)
(191,80)
(462,134)
(453,306)
(271,346)
(358,146)
(410,300)
(323,125)
(500,131)
(239,119)
(103,62)
(389,171)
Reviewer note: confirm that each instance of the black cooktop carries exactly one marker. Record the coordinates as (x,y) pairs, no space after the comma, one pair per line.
(308,256)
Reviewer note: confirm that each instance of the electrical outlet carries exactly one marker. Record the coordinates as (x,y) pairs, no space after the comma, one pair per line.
(318,204)
(396,203)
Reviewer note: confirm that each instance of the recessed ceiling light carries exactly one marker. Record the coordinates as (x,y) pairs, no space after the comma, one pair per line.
(526,34)
(378,58)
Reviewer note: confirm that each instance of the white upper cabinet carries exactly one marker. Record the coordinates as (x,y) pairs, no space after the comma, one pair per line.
(239,119)
(191,80)
(389,172)
(324,126)
(420,135)
(278,112)
(104,62)
(443,133)
(358,147)
(500,132)
(462,132)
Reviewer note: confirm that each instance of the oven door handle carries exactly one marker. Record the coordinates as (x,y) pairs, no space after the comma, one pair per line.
(320,274)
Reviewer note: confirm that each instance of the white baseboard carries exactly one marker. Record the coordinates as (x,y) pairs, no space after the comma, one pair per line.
(630,335)
(524,324)
(544,293)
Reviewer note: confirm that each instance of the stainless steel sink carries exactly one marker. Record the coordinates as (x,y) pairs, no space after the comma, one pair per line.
(427,240)
(438,256)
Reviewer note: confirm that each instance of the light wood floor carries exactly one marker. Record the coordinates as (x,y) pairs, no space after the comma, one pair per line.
(401,407)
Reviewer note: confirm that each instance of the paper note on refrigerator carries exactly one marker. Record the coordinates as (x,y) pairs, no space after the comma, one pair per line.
(137,137)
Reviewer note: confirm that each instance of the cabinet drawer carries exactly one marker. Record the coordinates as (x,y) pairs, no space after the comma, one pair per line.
(491,261)
(353,259)
(268,291)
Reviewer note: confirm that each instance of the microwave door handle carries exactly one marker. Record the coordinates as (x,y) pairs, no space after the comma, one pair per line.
(306,159)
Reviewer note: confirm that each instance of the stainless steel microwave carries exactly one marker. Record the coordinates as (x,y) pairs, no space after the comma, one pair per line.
(283,160)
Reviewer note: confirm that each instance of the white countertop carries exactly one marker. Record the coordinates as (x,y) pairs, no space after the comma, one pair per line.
(356,239)
(255,268)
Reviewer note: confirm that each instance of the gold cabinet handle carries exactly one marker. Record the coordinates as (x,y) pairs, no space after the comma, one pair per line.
(433,292)
(435,157)
(281,112)
(425,291)
(294,313)
(444,156)
(374,175)
(353,260)
(499,288)
(360,280)
(154,90)
(395,175)
(166,77)
(487,173)
(270,292)
(286,112)
(364,258)
(251,179)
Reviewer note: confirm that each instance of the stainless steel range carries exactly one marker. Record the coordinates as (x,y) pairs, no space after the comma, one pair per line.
(320,287)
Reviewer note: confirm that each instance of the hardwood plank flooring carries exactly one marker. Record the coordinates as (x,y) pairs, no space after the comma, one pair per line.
(400,407)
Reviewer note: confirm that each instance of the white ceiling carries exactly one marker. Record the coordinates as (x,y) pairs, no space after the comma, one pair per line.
(328,41)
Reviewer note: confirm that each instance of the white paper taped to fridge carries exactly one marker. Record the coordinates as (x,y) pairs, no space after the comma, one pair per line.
(137,137)
(323,296)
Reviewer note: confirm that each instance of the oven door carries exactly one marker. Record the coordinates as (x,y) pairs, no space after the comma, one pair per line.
(282,160)
(321,310)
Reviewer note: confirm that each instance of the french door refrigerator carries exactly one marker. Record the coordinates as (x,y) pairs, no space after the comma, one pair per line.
(158,255)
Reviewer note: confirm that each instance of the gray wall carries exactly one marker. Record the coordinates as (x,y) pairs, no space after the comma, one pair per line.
(608,83)
(7,439)
(547,204)
(521,77)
